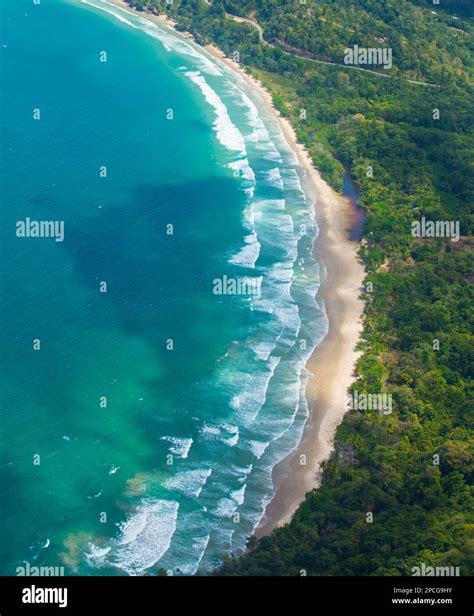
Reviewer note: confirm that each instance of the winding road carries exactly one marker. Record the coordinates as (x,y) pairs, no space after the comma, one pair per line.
(259,29)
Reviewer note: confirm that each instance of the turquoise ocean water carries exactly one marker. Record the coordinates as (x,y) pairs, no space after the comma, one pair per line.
(157,409)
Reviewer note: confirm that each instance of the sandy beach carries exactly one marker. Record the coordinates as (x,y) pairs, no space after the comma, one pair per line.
(332,363)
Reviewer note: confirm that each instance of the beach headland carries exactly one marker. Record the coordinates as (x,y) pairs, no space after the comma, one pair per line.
(333,361)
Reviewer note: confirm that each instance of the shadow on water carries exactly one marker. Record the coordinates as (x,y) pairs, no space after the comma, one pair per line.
(154,279)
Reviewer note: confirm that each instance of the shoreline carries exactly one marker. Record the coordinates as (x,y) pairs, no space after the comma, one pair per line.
(333,361)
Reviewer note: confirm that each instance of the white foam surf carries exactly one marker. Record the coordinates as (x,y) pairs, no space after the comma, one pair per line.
(179,446)
(115,14)
(144,537)
(189,482)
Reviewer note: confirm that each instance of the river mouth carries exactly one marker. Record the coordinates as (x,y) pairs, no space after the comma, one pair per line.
(350,190)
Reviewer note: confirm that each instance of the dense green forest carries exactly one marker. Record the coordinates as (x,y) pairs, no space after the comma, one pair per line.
(410,149)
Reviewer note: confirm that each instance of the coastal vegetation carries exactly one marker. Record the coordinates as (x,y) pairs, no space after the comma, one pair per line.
(409,146)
